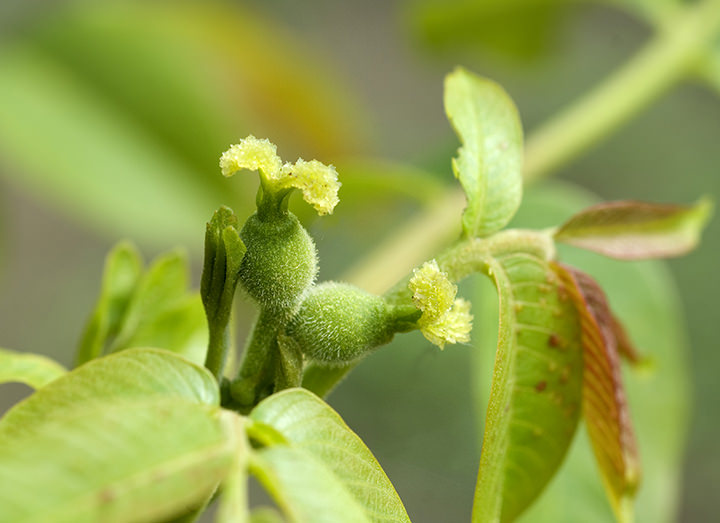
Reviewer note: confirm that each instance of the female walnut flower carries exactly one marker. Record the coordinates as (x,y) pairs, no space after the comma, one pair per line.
(445,319)
(318,182)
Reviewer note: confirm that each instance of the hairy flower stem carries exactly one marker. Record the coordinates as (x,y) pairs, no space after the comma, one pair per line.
(257,370)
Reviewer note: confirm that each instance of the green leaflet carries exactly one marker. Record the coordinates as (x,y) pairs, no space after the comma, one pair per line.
(134,374)
(306,490)
(642,294)
(630,230)
(109,442)
(310,425)
(145,309)
(536,390)
(489,163)
(123,267)
(33,370)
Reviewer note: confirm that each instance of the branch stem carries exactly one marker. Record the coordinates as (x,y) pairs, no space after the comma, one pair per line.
(664,61)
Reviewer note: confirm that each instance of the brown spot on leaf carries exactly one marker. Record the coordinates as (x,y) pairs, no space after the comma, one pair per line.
(554,340)
(106,496)
(541,386)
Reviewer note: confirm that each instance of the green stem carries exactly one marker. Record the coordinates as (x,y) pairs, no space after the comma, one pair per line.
(666,60)
(656,68)
(218,348)
(258,355)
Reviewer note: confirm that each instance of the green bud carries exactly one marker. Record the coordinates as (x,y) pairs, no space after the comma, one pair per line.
(339,323)
(280,262)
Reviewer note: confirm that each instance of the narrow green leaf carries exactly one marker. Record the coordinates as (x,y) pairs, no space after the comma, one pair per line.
(33,370)
(631,230)
(128,375)
(536,389)
(308,423)
(605,409)
(489,163)
(123,266)
(143,459)
(305,489)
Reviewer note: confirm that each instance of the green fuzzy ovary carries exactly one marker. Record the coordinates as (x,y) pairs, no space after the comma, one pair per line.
(339,323)
(280,262)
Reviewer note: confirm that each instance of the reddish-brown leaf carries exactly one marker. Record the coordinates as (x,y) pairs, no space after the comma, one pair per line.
(604,405)
(631,230)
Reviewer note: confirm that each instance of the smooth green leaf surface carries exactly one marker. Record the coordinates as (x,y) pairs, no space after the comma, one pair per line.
(134,374)
(123,266)
(308,423)
(124,460)
(631,230)
(305,489)
(605,409)
(33,370)
(643,295)
(489,163)
(536,392)
(130,437)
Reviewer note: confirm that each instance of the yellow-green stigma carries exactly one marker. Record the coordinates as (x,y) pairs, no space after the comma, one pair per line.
(445,319)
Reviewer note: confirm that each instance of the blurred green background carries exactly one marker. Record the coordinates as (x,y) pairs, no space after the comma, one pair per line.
(113,116)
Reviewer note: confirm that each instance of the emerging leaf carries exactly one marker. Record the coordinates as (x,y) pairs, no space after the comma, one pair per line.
(123,267)
(309,424)
(489,163)
(536,389)
(604,405)
(145,309)
(632,230)
(33,370)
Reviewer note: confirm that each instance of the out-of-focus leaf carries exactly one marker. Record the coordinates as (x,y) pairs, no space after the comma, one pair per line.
(605,408)
(489,163)
(636,230)
(643,295)
(308,423)
(266,515)
(371,177)
(304,488)
(33,370)
(123,266)
(709,67)
(536,393)
(110,442)
(134,374)
(132,125)
(519,28)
